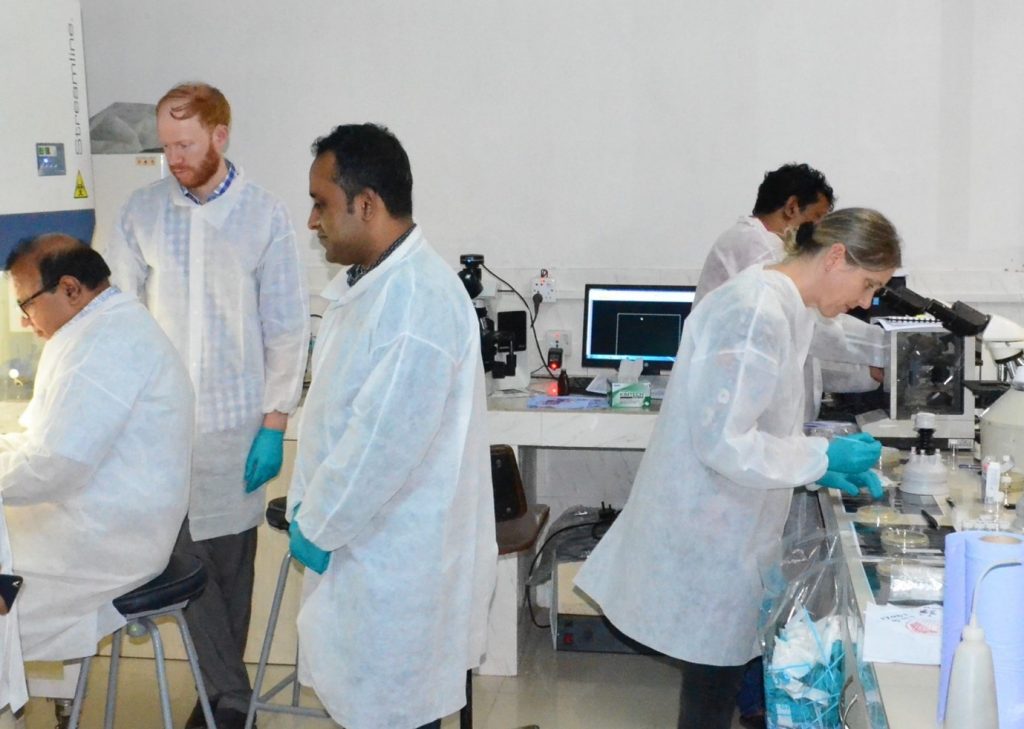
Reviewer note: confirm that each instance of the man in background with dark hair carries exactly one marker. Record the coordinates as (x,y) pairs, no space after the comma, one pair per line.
(391,500)
(95,488)
(214,258)
(787,197)
(847,355)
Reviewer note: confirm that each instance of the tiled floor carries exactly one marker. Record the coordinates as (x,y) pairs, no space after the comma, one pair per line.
(553,691)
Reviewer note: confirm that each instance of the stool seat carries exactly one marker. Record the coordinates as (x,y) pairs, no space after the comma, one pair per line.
(520,534)
(166,595)
(183,579)
(277,515)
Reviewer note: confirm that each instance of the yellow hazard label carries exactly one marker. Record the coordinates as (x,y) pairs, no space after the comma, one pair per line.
(80,191)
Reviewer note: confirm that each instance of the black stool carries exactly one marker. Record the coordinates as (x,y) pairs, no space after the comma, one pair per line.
(167,594)
(277,519)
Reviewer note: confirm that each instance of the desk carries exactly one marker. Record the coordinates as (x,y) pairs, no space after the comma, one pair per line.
(509,421)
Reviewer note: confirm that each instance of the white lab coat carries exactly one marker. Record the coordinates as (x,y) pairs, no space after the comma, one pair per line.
(679,568)
(842,349)
(96,487)
(393,476)
(13,691)
(226,283)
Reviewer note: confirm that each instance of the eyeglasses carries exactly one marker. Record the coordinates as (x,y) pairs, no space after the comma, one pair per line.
(37,294)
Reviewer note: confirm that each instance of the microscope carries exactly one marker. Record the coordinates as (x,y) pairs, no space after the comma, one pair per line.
(929,362)
(497,347)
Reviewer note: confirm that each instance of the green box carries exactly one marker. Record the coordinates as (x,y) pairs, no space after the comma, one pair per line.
(629,394)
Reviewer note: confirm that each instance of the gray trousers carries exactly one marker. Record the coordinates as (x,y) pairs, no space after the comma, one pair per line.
(219,618)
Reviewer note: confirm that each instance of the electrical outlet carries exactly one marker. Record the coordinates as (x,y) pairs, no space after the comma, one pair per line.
(545,286)
(558,338)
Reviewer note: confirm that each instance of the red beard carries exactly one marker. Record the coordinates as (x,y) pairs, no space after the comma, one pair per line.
(196,177)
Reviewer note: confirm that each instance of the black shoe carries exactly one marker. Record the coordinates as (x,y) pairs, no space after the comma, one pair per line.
(228,718)
(196,720)
(754,721)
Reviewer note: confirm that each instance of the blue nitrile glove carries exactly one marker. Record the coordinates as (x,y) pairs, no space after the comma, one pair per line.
(869,480)
(265,456)
(863,437)
(847,454)
(840,481)
(305,551)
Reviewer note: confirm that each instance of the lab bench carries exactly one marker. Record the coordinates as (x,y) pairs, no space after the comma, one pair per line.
(880,695)
(883,695)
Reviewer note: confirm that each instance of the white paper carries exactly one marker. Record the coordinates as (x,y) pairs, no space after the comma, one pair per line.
(924,322)
(895,634)
(630,370)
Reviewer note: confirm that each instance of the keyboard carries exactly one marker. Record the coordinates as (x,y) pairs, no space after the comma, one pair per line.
(578,386)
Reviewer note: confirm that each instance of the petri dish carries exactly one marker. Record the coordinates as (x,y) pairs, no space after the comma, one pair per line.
(897,540)
(876,515)
(893,565)
(890,457)
(829,428)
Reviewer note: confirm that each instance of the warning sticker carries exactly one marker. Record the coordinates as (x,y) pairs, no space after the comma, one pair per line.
(80,191)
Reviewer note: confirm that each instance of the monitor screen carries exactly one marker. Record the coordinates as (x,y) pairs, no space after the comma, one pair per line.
(636,322)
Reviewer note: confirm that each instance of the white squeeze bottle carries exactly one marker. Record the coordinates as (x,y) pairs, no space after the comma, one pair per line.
(971,701)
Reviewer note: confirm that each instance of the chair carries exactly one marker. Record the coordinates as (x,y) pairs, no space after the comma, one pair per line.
(517,523)
(164,595)
(518,526)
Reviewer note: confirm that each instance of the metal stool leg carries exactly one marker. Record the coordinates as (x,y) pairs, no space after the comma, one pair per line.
(76,706)
(295,682)
(193,660)
(161,669)
(268,641)
(115,662)
(260,700)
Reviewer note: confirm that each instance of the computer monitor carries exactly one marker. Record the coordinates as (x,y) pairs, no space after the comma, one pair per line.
(634,322)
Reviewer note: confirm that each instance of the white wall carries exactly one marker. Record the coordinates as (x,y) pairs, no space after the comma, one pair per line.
(611,140)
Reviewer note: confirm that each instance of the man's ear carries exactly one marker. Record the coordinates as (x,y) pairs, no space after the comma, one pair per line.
(791,208)
(369,205)
(71,287)
(219,135)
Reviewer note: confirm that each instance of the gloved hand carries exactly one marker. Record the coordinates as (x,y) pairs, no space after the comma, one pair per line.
(265,456)
(853,453)
(304,550)
(840,481)
(869,480)
(863,437)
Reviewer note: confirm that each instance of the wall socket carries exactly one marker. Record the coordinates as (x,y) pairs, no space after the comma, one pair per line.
(545,286)
(558,338)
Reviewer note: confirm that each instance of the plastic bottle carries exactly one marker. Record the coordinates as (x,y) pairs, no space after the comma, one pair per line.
(971,700)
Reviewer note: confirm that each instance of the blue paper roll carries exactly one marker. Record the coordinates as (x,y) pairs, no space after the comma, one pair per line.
(1000,611)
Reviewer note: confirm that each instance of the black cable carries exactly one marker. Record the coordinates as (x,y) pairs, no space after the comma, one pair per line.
(533,564)
(529,605)
(533,319)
